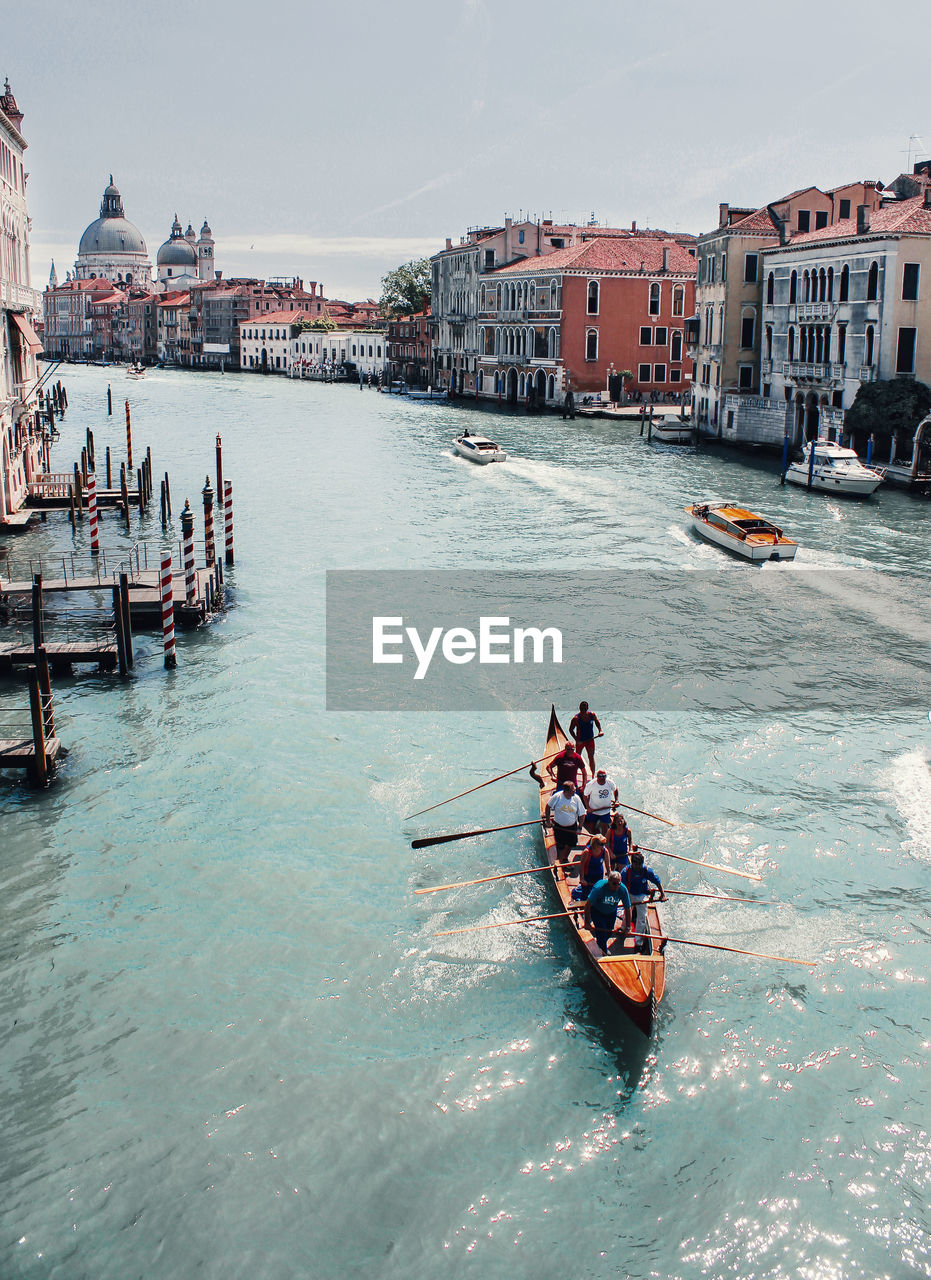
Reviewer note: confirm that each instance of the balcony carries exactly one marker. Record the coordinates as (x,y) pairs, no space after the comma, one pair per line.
(867,373)
(19,296)
(804,371)
(814,311)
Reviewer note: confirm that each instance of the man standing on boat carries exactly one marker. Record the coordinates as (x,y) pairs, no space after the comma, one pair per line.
(582,728)
(638,879)
(565,811)
(601,907)
(600,795)
(567,766)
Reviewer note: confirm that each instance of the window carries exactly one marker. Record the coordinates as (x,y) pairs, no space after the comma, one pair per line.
(791,347)
(769,342)
(712,270)
(675,375)
(654,299)
(520,237)
(660,337)
(872,282)
(723,267)
(750,267)
(793,286)
(745,377)
(591,344)
(821,219)
(770,287)
(643,373)
(804,220)
(868,353)
(646,336)
(905,354)
(841,343)
(747,326)
(678,299)
(844,210)
(489,259)
(659,373)
(910,282)
(593,297)
(676,352)
(844,292)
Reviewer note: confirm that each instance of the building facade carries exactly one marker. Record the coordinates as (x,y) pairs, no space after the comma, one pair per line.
(20,435)
(409,348)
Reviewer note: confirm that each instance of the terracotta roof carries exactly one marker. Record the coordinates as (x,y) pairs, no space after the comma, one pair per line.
(623,254)
(905,217)
(277,317)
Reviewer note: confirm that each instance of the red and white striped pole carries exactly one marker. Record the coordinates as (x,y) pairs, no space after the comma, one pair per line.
(228,518)
(168,612)
(210,550)
(129,441)
(92,510)
(187,538)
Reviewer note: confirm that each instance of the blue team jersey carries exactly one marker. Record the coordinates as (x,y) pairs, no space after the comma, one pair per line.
(605,900)
(638,882)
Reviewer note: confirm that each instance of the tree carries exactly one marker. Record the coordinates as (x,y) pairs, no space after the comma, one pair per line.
(896,405)
(406,290)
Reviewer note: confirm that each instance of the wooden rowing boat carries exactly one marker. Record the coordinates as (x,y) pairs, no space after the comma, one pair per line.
(636,982)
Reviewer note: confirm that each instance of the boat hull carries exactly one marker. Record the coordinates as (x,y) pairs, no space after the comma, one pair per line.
(767,543)
(672,432)
(480,457)
(844,486)
(636,982)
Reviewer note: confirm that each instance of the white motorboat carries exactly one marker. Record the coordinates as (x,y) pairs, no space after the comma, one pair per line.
(743,532)
(673,430)
(835,470)
(478,448)
(431,393)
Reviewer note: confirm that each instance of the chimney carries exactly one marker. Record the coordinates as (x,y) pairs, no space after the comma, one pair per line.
(633,226)
(863,219)
(666,258)
(449,243)
(928,197)
(723,211)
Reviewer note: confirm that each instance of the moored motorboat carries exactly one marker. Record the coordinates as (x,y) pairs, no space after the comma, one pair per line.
(834,470)
(743,532)
(428,393)
(673,430)
(637,982)
(478,448)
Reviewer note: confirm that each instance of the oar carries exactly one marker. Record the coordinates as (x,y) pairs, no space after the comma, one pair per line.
(463,884)
(426,841)
(717,946)
(646,813)
(711,866)
(504,924)
(510,773)
(715,897)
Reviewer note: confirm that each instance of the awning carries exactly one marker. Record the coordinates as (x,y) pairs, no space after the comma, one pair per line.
(30,337)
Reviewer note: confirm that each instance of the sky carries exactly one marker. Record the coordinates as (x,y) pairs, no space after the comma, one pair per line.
(336,141)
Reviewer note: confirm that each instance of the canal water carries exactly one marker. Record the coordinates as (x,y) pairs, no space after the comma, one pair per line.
(232,1045)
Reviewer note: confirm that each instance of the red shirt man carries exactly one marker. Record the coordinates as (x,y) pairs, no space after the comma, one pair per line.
(567,767)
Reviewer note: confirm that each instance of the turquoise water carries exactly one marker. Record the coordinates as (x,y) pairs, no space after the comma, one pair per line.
(232,1044)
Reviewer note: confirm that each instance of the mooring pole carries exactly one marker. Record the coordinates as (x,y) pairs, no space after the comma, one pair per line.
(210,552)
(45,691)
(228,518)
(38,623)
(187,538)
(785,456)
(92,511)
(120,638)
(124,491)
(168,495)
(40,763)
(127,619)
(109,401)
(168,613)
(220,490)
(129,440)
(109,472)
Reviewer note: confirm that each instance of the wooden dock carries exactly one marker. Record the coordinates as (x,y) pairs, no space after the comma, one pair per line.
(61,656)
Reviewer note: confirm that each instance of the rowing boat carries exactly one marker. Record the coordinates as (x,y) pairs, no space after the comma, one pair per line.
(636,982)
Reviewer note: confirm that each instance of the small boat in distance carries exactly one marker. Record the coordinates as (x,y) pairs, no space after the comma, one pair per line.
(478,448)
(428,393)
(835,470)
(673,430)
(136,370)
(743,532)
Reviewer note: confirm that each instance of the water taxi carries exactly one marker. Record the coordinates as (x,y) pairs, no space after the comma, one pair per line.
(834,470)
(478,448)
(673,430)
(743,532)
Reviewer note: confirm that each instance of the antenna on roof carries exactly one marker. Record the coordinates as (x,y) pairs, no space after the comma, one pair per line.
(919,151)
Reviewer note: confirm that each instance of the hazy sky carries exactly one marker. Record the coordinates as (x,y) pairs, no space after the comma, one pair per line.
(335,140)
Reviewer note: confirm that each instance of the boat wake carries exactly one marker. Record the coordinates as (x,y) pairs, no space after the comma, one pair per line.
(911,788)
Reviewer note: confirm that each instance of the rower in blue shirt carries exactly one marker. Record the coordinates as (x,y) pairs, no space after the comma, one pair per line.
(637,878)
(601,907)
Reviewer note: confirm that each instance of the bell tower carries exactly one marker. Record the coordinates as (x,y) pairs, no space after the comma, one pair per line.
(206,268)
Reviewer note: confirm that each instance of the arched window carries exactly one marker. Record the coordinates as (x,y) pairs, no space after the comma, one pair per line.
(591,344)
(482,303)
(550,387)
(791,341)
(868,356)
(769,342)
(554,295)
(793,286)
(830,284)
(822,285)
(593,297)
(678,300)
(806,282)
(844,283)
(770,285)
(654,299)
(675,352)
(872,284)
(721,323)
(480,381)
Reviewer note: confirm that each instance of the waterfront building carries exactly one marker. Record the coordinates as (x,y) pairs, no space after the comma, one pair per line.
(409,348)
(845,304)
(113,247)
(572,319)
(20,436)
(725,331)
(284,342)
(135,327)
(219,308)
(173,341)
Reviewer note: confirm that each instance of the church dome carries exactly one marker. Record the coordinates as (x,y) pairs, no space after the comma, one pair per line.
(112,232)
(176,251)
